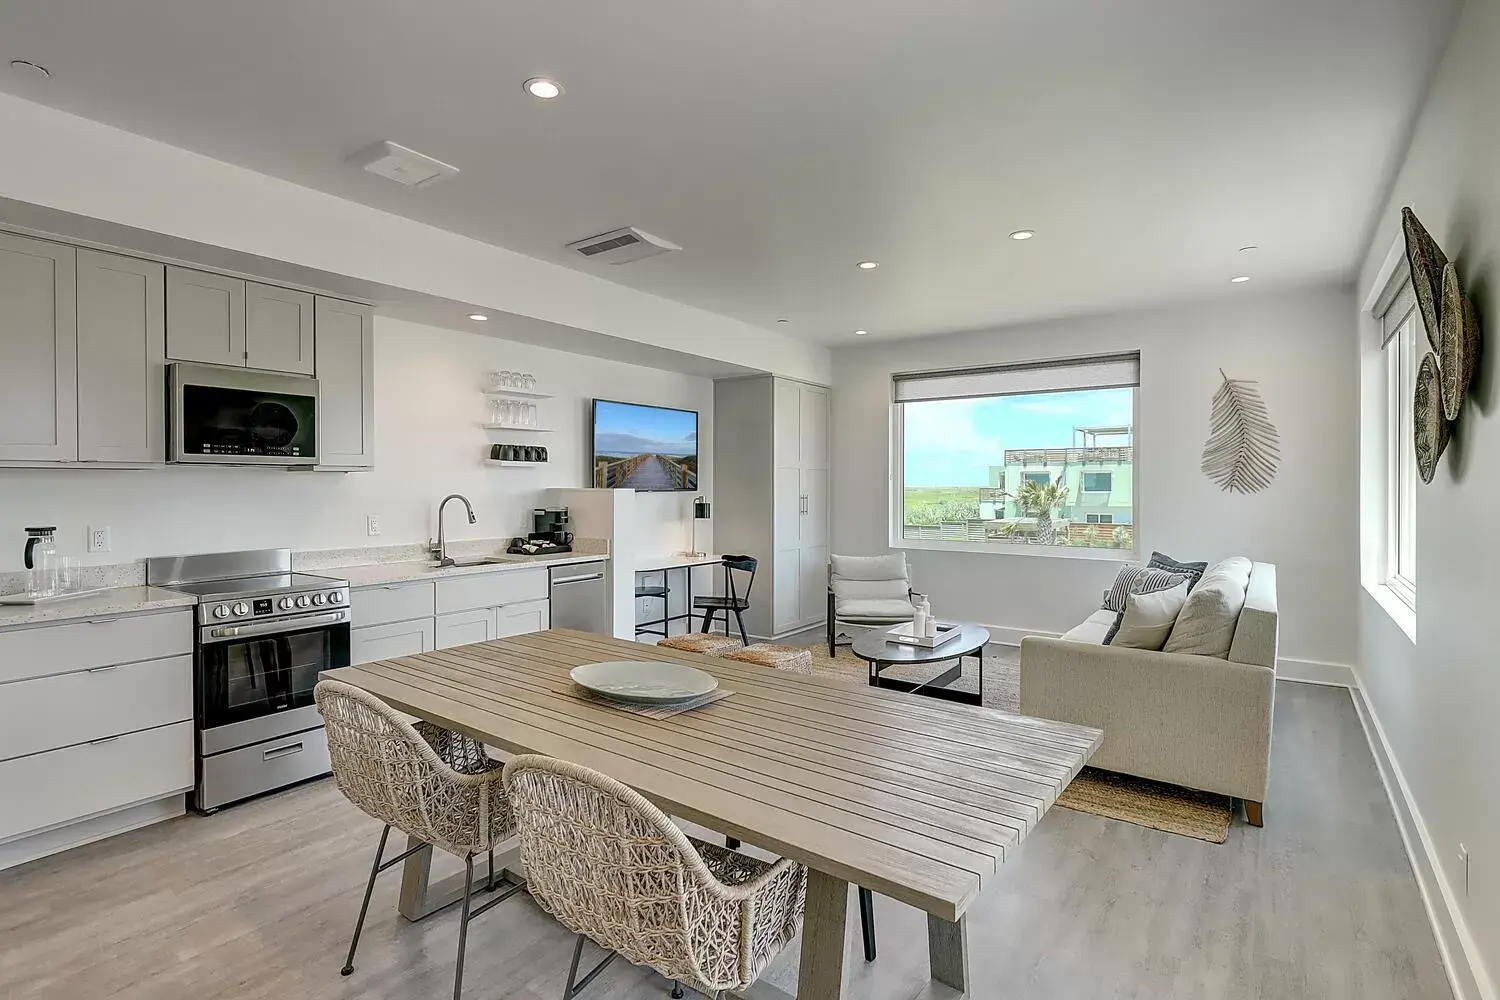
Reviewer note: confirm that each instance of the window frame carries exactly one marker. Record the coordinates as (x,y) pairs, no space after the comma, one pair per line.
(895,495)
(1099,519)
(1402,351)
(1083,478)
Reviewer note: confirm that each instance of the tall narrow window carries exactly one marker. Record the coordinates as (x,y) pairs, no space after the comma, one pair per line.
(1039,454)
(1404,342)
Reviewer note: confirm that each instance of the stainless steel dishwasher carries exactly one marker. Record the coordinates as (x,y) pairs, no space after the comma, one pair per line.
(579,599)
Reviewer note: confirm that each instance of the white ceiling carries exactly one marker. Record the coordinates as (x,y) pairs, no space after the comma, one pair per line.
(781,141)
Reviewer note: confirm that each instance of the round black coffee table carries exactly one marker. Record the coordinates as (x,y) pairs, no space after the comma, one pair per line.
(874,649)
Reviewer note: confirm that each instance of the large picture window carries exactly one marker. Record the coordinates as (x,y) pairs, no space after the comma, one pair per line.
(1039,455)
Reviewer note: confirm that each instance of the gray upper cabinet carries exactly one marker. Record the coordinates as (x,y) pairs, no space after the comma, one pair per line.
(205,317)
(121,358)
(346,384)
(38,351)
(279,329)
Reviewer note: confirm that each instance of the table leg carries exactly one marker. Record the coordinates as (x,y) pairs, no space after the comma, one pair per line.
(821,976)
(948,952)
(420,897)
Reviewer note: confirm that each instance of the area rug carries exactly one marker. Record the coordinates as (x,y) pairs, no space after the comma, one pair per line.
(1152,804)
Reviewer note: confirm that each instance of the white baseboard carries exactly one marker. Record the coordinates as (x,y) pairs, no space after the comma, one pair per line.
(1009,635)
(1316,672)
(86,831)
(1460,953)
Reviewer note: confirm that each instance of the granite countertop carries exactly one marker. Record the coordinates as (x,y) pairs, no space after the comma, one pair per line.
(379,574)
(116,601)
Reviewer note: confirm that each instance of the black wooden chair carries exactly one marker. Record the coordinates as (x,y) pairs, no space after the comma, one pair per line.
(662,594)
(732,600)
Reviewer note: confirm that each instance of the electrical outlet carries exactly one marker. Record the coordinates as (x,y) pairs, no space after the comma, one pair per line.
(1463,869)
(99,539)
(372,524)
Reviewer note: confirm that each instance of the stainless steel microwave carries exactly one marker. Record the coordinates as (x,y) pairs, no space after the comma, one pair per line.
(235,416)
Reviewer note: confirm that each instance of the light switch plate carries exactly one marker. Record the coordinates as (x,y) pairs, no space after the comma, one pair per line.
(372,524)
(99,539)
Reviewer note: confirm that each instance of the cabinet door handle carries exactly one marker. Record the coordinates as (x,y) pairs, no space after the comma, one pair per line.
(107,739)
(283,751)
(100,670)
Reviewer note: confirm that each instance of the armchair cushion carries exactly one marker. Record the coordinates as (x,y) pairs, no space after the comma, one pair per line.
(878,611)
(864,579)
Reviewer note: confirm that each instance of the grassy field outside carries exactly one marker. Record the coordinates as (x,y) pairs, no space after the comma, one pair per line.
(936,504)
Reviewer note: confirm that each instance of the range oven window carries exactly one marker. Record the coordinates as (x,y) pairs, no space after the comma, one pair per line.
(217,420)
(262,675)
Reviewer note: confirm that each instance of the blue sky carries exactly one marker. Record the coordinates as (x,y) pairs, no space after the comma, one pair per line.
(628,429)
(953,442)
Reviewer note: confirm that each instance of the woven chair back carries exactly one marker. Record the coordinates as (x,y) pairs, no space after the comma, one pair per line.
(383,765)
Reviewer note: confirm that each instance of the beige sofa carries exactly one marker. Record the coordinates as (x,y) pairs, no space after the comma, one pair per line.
(1196,721)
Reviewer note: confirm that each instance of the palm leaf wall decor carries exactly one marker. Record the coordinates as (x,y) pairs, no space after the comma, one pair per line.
(1243,450)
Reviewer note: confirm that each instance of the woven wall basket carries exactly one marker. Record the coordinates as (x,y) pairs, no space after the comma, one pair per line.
(1458,354)
(1430,427)
(1427,261)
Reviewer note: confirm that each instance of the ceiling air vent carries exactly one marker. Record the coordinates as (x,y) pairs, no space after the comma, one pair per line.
(402,165)
(621,246)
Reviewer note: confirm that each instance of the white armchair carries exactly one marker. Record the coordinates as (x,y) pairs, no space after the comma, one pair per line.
(867,591)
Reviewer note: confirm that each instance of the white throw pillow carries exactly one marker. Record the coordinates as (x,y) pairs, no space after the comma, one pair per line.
(1206,624)
(1149,618)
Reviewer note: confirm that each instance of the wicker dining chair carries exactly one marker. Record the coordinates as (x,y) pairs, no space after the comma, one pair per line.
(437,786)
(611,867)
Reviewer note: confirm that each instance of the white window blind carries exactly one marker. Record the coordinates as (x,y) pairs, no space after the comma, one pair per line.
(1110,372)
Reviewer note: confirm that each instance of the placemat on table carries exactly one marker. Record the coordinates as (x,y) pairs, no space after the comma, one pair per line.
(649,711)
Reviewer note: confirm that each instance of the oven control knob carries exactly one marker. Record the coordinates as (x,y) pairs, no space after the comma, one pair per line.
(242,608)
(301,601)
(337,597)
(318,598)
(285,604)
(222,611)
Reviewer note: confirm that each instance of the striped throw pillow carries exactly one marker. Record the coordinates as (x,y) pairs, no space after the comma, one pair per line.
(1139,580)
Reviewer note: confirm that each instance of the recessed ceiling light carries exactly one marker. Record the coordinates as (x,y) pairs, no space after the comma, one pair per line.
(542,88)
(30,67)
(861,333)
(479,317)
(1240,279)
(868,265)
(783,321)
(1023,234)
(1247,249)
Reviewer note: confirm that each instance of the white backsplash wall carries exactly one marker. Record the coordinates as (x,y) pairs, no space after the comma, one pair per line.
(428,443)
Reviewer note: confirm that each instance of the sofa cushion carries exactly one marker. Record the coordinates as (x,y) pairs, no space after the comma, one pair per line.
(1205,626)
(1138,580)
(1092,629)
(856,611)
(868,578)
(1193,570)
(1148,618)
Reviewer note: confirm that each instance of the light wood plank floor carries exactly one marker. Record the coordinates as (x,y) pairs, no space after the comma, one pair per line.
(258,902)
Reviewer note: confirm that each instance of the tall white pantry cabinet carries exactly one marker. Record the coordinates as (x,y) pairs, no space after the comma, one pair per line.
(771,495)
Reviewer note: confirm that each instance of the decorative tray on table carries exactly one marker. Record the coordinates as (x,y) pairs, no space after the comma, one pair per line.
(903,634)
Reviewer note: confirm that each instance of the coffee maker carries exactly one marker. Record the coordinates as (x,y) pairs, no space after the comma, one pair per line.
(550,525)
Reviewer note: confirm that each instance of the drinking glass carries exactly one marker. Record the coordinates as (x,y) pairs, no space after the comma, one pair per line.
(528,381)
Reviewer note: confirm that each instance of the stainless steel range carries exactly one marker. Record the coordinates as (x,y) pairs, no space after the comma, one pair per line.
(264,634)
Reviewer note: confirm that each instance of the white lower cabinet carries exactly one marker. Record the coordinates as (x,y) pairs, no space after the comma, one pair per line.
(95,717)
(518,619)
(464,627)
(385,642)
(403,619)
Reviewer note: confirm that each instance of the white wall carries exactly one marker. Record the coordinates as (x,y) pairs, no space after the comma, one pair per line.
(75,165)
(428,443)
(1298,344)
(1437,698)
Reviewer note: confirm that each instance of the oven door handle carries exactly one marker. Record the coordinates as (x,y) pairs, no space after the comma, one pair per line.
(224,633)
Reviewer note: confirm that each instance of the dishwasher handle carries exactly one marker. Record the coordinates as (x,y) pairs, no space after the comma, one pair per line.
(562,581)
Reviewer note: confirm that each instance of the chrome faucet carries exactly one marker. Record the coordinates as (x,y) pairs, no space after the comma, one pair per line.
(439,548)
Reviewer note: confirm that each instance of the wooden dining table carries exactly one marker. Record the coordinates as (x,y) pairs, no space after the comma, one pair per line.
(913,798)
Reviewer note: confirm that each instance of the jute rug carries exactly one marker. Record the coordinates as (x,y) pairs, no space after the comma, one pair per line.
(1152,804)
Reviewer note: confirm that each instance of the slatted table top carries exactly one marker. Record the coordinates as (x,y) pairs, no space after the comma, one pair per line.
(916,799)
